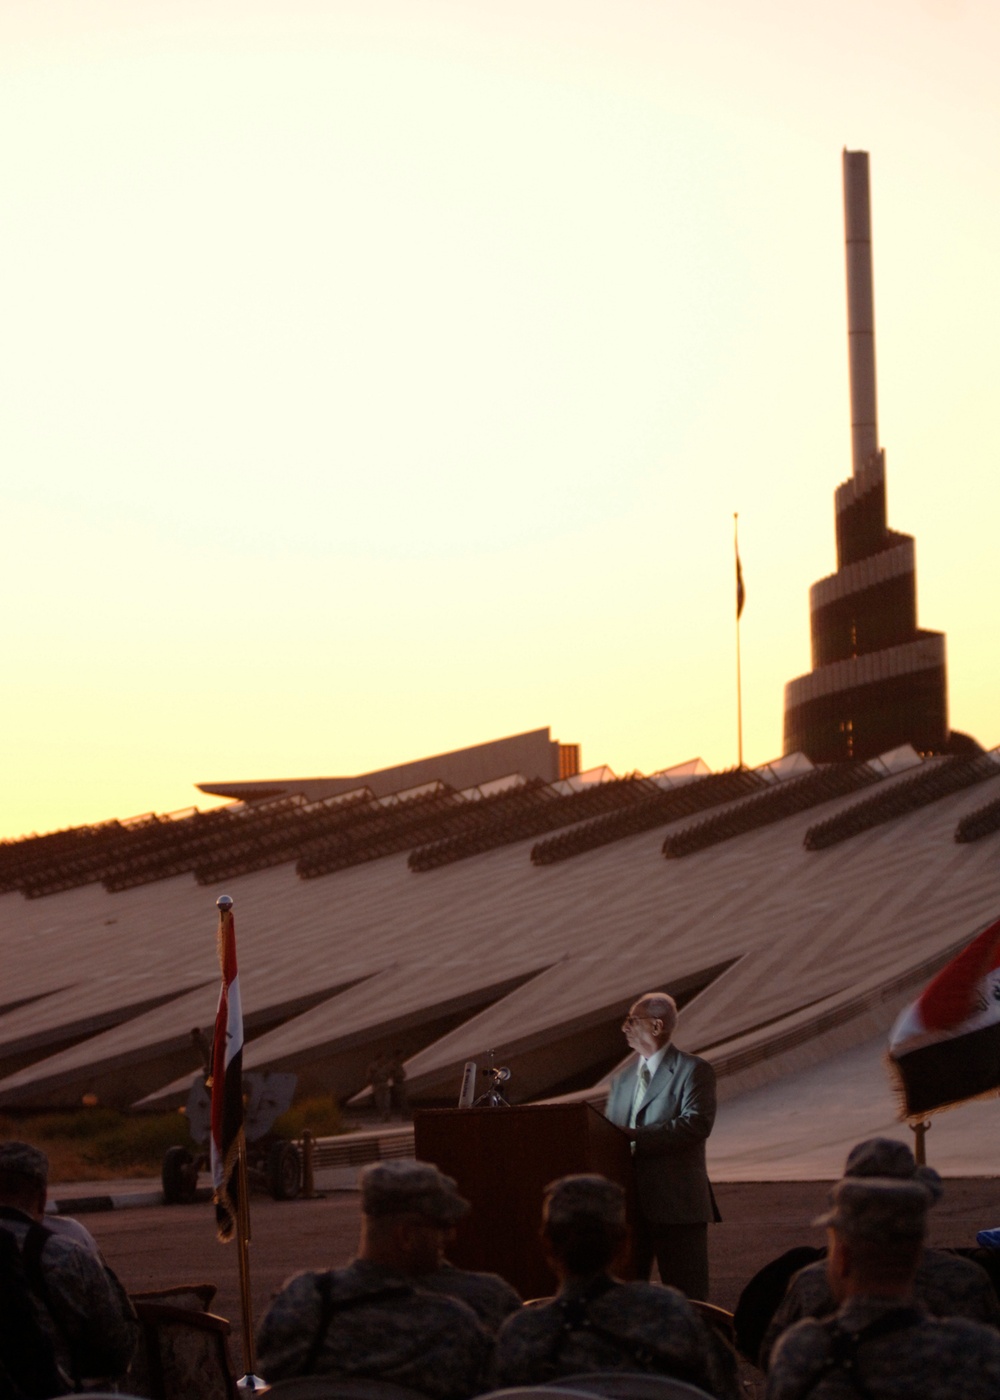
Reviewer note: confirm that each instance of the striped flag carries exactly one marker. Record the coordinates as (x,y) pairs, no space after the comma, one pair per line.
(741,593)
(945,1048)
(227,1079)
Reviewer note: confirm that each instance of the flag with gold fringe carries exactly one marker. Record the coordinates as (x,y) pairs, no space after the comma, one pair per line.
(227,1080)
(945,1047)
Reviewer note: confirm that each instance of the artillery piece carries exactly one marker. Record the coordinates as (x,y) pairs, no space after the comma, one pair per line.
(273,1164)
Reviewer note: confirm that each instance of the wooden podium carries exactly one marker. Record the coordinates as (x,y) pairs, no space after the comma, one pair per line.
(502,1159)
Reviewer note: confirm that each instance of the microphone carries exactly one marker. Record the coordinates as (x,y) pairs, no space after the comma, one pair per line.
(468,1095)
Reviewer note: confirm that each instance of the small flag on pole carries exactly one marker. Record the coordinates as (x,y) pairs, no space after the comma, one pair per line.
(945,1047)
(741,594)
(227,1079)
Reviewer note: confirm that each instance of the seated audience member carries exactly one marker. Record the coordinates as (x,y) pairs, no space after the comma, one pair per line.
(489,1296)
(946,1284)
(596,1322)
(881,1344)
(74,1314)
(375,1318)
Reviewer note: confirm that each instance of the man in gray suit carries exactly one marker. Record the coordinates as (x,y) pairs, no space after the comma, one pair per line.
(665,1102)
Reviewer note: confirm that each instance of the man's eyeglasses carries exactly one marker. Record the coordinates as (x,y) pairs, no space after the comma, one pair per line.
(634,1020)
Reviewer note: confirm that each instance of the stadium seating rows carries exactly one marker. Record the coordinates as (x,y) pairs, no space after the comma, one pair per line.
(982,822)
(656,809)
(470,826)
(148,848)
(389,831)
(177,851)
(929,785)
(787,798)
(553,810)
(437,825)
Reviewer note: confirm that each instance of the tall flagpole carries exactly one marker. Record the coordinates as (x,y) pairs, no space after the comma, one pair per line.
(251,1381)
(227,1074)
(739,609)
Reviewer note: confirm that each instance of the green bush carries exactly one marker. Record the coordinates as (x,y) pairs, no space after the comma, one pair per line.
(81,1123)
(321,1115)
(100,1142)
(139,1141)
(97,1143)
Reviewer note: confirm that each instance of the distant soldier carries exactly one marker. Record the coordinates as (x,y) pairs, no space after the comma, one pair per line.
(881,1344)
(397,1084)
(946,1284)
(378,1075)
(596,1322)
(203,1049)
(78,1315)
(375,1318)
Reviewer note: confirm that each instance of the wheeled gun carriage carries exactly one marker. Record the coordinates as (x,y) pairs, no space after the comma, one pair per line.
(273,1163)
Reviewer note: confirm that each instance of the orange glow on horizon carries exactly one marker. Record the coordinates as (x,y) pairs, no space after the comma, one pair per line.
(382,380)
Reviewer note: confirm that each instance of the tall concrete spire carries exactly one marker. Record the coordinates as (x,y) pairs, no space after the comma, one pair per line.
(860,309)
(878,680)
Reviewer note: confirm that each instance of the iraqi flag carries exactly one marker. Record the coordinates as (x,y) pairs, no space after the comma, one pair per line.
(945,1048)
(227,1079)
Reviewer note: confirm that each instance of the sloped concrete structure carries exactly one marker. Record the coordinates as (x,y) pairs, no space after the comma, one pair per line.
(782,956)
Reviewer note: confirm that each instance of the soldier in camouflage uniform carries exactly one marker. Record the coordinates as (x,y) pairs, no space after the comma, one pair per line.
(881,1344)
(376,1318)
(379,1077)
(489,1296)
(596,1322)
(946,1284)
(77,1299)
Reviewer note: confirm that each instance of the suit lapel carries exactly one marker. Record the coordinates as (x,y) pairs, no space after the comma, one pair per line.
(660,1080)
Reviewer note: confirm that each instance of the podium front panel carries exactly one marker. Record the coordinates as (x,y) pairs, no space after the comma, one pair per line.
(502,1159)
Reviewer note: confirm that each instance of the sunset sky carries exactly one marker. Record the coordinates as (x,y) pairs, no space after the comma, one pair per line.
(381,376)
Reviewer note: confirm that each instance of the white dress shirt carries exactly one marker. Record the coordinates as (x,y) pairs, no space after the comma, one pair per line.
(652,1064)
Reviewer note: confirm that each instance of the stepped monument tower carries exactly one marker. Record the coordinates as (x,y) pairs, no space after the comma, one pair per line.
(877,679)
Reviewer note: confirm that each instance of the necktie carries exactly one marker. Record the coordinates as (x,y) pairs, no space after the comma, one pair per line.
(641,1085)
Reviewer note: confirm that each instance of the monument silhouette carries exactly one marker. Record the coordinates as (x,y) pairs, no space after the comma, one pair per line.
(877,679)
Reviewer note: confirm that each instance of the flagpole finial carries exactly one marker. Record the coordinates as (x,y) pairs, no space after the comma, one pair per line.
(224,903)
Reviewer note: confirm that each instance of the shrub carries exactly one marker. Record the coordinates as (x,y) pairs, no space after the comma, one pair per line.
(79,1124)
(137,1142)
(321,1115)
(97,1143)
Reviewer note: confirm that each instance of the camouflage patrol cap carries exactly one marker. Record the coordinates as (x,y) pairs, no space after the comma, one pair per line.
(576,1198)
(885,1157)
(21,1159)
(411,1188)
(878,1208)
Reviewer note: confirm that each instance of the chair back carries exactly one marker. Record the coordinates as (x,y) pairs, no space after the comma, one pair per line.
(341,1388)
(181,1295)
(630,1385)
(539,1392)
(719,1319)
(183,1354)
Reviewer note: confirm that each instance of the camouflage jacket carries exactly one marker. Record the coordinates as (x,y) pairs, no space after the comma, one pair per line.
(489,1296)
(927,1358)
(605,1325)
(368,1321)
(84,1309)
(946,1284)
